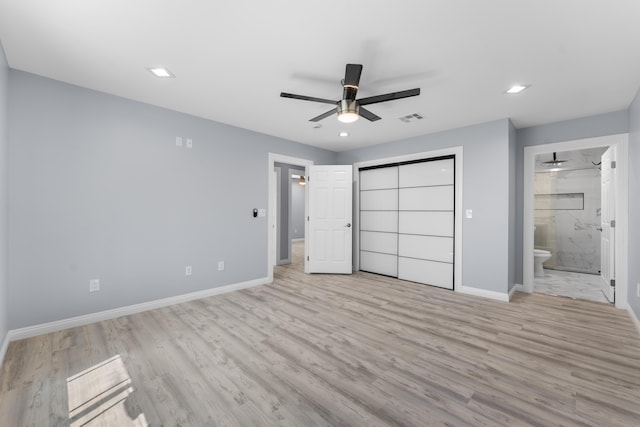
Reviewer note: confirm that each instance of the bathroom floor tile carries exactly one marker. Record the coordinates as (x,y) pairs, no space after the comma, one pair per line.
(569,284)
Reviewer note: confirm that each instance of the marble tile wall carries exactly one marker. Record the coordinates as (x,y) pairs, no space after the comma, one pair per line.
(570,235)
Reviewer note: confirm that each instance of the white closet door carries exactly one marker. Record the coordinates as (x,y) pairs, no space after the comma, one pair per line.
(426,206)
(379,221)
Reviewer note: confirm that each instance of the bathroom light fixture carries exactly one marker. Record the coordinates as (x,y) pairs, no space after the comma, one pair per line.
(161,72)
(343,134)
(516,89)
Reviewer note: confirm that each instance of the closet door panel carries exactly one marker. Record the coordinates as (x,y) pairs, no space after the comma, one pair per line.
(386,243)
(426,223)
(378,179)
(428,272)
(426,247)
(426,198)
(379,263)
(379,221)
(379,200)
(438,172)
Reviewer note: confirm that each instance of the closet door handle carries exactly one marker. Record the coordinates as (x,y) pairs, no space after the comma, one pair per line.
(348,225)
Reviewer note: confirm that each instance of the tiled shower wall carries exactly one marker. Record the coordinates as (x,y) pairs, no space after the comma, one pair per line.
(565,226)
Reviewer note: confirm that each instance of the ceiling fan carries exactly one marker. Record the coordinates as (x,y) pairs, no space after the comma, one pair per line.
(349,108)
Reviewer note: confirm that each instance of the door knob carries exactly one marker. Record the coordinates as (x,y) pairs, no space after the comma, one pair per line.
(599,228)
(348,225)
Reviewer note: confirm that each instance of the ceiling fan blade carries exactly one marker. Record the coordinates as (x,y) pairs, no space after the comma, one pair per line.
(352,75)
(368,115)
(389,96)
(323,115)
(306,98)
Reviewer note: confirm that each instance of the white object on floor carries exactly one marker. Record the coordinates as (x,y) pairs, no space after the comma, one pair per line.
(539,256)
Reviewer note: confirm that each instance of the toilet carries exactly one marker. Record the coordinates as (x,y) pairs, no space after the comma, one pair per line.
(539,256)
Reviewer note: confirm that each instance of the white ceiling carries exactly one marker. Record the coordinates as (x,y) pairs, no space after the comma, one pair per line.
(233,58)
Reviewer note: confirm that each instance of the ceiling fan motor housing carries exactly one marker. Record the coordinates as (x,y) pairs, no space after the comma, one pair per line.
(348,110)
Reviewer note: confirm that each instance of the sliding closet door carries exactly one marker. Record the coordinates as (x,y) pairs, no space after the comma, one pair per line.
(426,213)
(379,221)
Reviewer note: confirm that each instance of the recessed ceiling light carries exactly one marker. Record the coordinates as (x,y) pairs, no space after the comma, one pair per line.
(344,134)
(161,72)
(517,89)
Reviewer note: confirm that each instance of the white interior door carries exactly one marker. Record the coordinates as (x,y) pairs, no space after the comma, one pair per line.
(607,240)
(330,218)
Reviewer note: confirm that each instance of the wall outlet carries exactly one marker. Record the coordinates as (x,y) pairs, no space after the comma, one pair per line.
(94,285)
(220,265)
(178,141)
(469,213)
(187,270)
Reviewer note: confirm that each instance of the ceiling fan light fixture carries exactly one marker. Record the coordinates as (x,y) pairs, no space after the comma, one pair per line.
(348,111)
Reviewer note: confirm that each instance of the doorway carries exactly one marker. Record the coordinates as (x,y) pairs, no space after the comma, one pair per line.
(539,234)
(274,211)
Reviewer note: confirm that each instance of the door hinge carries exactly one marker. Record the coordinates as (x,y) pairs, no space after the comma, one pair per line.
(613,164)
(307,218)
(307,257)
(613,283)
(612,224)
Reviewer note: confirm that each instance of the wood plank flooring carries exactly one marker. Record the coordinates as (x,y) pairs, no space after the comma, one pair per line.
(323,350)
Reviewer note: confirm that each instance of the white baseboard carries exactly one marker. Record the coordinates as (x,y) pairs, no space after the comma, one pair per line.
(72,322)
(3,349)
(634,317)
(484,293)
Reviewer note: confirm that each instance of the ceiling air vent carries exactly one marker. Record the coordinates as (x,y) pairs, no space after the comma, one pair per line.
(411,118)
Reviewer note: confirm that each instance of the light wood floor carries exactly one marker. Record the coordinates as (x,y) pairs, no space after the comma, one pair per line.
(359,350)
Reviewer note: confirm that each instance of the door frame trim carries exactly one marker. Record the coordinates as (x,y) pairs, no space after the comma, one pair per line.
(459,184)
(621,141)
(274,158)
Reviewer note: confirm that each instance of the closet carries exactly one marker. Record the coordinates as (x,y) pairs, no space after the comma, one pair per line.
(407,220)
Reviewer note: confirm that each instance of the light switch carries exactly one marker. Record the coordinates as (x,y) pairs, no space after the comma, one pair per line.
(178,141)
(189,143)
(469,213)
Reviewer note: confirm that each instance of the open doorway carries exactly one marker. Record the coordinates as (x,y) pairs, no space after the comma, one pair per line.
(563,214)
(280,236)
(290,213)
(568,224)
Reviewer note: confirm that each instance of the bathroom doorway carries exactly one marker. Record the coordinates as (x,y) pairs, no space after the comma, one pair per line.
(568,224)
(562,218)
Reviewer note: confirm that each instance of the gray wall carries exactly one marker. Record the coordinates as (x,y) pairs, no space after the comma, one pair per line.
(613,123)
(98,189)
(485,246)
(4,143)
(634,204)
